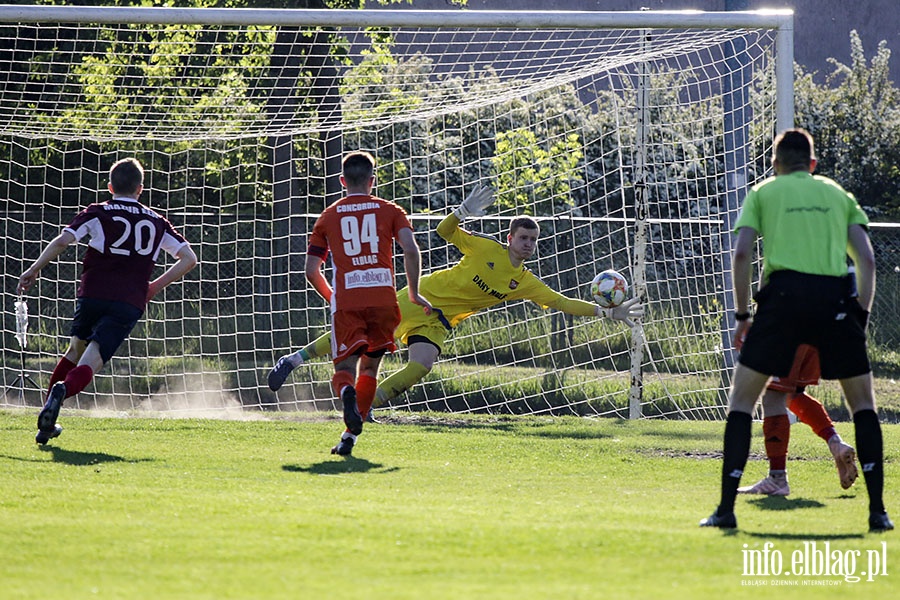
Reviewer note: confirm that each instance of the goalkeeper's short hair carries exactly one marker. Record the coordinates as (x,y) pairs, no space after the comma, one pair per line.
(526,222)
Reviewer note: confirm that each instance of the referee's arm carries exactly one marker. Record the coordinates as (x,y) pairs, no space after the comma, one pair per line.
(859,247)
(741,267)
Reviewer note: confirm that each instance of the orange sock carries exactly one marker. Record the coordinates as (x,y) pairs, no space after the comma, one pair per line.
(777,432)
(810,411)
(365,393)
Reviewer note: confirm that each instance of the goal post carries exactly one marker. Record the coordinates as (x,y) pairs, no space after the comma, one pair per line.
(626,135)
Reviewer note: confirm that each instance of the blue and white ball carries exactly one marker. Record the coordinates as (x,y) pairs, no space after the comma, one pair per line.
(609,288)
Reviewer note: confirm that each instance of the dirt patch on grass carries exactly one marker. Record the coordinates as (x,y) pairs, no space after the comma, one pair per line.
(714,455)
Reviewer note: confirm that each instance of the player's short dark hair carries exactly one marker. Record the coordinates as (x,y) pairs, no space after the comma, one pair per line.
(358,168)
(125,176)
(522,222)
(793,149)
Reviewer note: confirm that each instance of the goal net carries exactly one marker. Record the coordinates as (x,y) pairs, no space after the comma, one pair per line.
(629,137)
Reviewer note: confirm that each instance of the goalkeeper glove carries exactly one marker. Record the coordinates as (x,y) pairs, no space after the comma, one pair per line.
(625,312)
(475,203)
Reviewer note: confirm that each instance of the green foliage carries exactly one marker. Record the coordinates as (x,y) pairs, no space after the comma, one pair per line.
(686,339)
(381,85)
(117,76)
(854,118)
(531,179)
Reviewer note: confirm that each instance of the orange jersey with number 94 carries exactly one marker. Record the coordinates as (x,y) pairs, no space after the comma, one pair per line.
(359,232)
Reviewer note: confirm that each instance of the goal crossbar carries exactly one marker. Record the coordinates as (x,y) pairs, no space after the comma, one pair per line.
(295,17)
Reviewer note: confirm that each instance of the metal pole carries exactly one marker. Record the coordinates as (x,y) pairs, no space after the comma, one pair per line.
(784,74)
(293,17)
(641,213)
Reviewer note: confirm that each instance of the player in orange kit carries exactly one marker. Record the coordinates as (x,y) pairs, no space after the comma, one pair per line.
(359,232)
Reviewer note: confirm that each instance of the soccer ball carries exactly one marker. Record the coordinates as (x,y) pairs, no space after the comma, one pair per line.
(609,288)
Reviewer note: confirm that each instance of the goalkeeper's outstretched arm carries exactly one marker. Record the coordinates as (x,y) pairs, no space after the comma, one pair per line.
(475,205)
(626,312)
(860,250)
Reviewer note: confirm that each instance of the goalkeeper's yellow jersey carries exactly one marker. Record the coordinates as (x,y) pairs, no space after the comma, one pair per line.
(485,277)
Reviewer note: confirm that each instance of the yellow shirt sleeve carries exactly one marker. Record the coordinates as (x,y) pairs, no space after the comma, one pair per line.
(449,229)
(546,297)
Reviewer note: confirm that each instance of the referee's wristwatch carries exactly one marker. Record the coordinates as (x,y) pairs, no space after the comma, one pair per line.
(744,316)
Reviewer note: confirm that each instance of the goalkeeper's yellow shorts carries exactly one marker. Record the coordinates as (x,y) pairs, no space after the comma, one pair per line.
(414,321)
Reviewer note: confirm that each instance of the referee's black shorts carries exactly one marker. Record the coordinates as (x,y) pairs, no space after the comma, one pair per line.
(798,308)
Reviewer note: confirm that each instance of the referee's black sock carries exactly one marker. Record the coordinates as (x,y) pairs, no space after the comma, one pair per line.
(870,449)
(736,450)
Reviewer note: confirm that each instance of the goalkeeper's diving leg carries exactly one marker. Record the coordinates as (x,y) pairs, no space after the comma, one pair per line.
(422,355)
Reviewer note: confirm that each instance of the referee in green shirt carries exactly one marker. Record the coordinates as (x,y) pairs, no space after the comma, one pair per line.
(808,225)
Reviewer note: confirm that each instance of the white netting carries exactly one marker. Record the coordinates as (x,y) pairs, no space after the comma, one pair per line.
(241,130)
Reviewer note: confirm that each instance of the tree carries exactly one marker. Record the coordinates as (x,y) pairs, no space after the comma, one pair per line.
(855,119)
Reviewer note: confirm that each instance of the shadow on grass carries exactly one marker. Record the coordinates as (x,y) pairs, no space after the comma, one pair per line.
(441,422)
(520,429)
(711,436)
(567,435)
(782,503)
(804,536)
(349,464)
(82,459)
(504,424)
(727,532)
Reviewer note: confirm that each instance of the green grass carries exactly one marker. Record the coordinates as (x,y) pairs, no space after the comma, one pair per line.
(429,507)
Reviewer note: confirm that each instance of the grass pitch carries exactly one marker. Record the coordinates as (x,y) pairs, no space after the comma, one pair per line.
(429,507)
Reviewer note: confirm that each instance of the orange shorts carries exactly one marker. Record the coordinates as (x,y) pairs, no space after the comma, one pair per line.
(804,371)
(363,330)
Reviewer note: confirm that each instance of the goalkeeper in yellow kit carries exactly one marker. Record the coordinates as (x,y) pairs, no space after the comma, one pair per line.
(488,273)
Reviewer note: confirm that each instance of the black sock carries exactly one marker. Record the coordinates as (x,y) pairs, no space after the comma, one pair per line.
(870,449)
(736,449)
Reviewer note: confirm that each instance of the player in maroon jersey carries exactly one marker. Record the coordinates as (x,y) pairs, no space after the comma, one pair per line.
(124,241)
